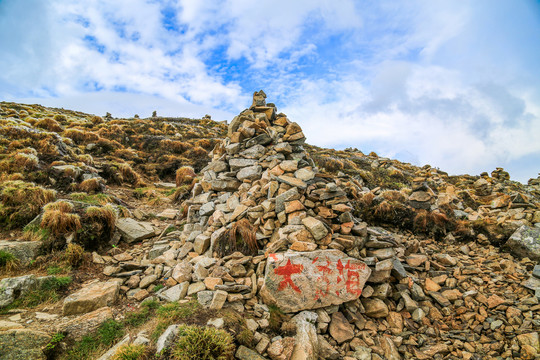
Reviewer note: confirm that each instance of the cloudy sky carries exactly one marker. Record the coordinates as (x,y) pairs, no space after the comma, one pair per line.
(454,84)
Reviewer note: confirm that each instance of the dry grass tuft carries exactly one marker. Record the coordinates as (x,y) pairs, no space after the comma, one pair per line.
(129,175)
(104,214)
(50,125)
(240,237)
(420,221)
(90,185)
(184,175)
(21,201)
(58,218)
(60,205)
(74,254)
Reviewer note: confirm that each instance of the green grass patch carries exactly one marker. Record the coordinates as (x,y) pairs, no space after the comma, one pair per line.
(91,345)
(203,343)
(33,232)
(92,199)
(8,261)
(130,352)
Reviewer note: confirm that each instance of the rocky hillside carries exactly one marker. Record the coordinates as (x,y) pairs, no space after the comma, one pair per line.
(175,238)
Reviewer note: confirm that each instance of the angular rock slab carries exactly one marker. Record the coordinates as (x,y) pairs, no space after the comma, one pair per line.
(23,344)
(133,230)
(525,242)
(22,250)
(296,281)
(91,297)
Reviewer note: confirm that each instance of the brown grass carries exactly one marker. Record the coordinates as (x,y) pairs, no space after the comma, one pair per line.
(102,214)
(90,185)
(80,136)
(420,221)
(384,209)
(174,146)
(74,254)
(58,218)
(394,195)
(240,237)
(128,175)
(367,199)
(184,175)
(50,125)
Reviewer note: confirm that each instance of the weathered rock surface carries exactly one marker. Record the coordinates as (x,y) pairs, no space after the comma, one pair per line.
(23,344)
(91,297)
(133,230)
(22,250)
(310,280)
(525,242)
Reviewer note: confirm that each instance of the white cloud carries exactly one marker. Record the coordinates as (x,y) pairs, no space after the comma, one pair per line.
(454,85)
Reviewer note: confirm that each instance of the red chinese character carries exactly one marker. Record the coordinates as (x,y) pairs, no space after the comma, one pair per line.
(353,282)
(325,269)
(287,271)
(353,277)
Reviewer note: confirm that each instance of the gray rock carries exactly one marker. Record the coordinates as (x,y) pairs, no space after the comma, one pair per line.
(525,242)
(239,163)
(175,293)
(13,288)
(201,244)
(147,280)
(207,209)
(306,336)
(254,152)
(205,297)
(91,297)
(112,351)
(261,139)
(249,173)
(243,353)
(133,230)
(23,344)
(22,250)
(296,281)
(289,195)
(166,339)
(157,250)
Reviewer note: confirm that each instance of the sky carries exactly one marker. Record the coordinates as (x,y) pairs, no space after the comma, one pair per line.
(453,84)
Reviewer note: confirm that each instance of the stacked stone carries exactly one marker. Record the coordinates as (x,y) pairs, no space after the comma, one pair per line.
(422,196)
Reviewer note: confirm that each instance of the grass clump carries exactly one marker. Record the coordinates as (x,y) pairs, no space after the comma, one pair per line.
(8,261)
(174,312)
(90,185)
(184,175)
(95,199)
(74,254)
(32,232)
(48,291)
(21,201)
(59,220)
(130,352)
(204,343)
(91,345)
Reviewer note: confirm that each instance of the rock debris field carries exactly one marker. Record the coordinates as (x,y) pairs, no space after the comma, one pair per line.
(284,250)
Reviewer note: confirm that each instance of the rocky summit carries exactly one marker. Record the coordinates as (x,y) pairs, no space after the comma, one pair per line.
(174,238)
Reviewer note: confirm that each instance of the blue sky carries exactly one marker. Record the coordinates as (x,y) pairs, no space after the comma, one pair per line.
(453,84)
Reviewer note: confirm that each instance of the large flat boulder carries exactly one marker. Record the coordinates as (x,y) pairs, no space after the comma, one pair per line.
(12,288)
(525,242)
(22,250)
(91,297)
(296,281)
(133,230)
(22,344)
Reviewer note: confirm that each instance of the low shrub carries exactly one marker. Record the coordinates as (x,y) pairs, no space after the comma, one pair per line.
(8,261)
(21,201)
(203,343)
